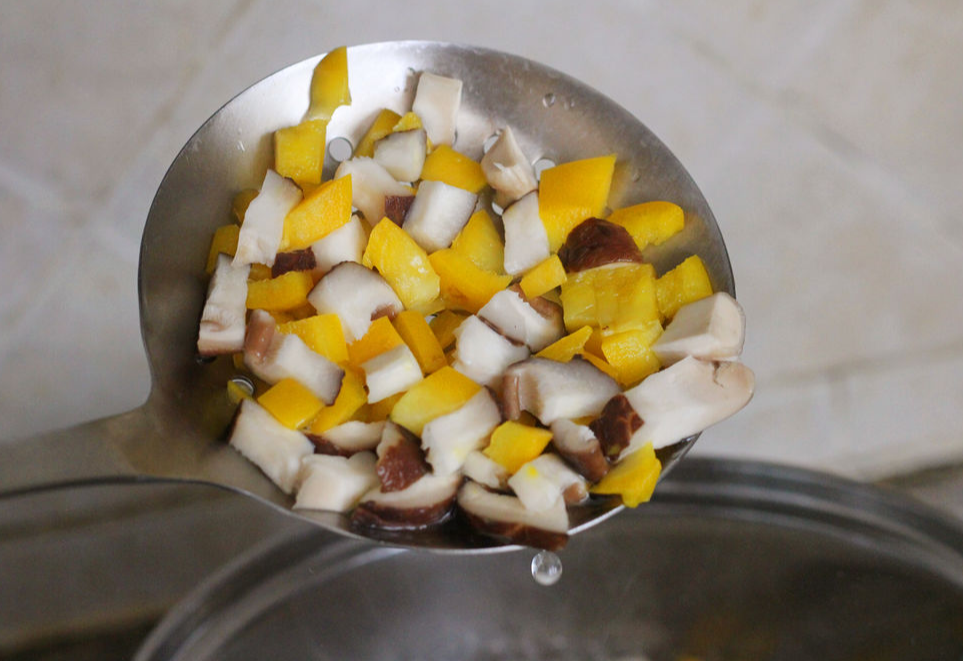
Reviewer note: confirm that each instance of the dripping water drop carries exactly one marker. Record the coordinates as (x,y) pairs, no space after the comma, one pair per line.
(548,100)
(546,568)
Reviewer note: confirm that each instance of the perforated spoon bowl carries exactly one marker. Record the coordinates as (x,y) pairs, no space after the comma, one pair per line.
(178,433)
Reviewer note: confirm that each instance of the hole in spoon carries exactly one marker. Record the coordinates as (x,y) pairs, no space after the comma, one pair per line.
(340,149)
(243,383)
(540,165)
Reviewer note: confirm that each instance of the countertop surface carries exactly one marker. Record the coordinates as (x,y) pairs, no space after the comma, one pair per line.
(825,135)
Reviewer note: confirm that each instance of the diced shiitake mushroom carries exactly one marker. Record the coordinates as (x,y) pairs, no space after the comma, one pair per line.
(438,213)
(507,170)
(269,445)
(711,328)
(391,372)
(546,479)
(222,321)
(335,483)
(595,243)
(685,399)
(450,438)
(551,390)
(370,183)
(401,461)
(402,154)
(427,502)
(260,235)
(348,438)
(506,516)
(273,355)
(482,353)
(483,470)
(519,320)
(437,101)
(345,244)
(526,242)
(357,295)
(580,448)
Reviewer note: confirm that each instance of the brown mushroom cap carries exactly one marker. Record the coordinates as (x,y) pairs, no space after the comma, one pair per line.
(596,242)
(427,502)
(296,260)
(396,208)
(401,461)
(615,425)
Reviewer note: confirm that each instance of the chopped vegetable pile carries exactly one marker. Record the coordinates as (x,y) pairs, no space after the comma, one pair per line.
(418,356)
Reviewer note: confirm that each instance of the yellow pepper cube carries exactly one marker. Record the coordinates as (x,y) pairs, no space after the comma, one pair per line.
(224,241)
(480,242)
(259,272)
(403,264)
(299,151)
(324,210)
(291,403)
(464,286)
(634,478)
(566,348)
(686,283)
(436,395)
(380,410)
(544,277)
(407,122)
(329,84)
(416,333)
(380,337)
(285,292)
(380,127)
(453,168)
(322,333)
(630,353)
(241,202)
(513,445)
(600,364)
(613,298)
(571,192)
(650,223)
(350,399)
(443,325)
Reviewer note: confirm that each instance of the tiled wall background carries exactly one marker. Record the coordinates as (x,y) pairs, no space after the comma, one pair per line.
(825,134)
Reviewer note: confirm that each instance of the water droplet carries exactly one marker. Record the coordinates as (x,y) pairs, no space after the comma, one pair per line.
(240,146)
(340,149)
(546,568)
(569,104)
(244,383)
(548,100)
(636,175)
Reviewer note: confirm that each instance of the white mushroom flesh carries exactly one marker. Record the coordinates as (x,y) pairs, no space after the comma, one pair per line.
(333,483)
(437,101)
(519,321)
(225,310)
(482,353)
(712,328)
(345,244)
(551,390)
(260,235)
(391,372)
(269,445)
(526,242)
(402,154)
(356,294)
(476,500)
(370,183)
(481,469)
(507,170)
(438,213)
(449,439)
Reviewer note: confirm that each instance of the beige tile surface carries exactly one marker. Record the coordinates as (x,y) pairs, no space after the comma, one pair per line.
(825,135)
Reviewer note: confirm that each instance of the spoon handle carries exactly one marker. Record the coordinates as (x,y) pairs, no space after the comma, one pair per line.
(86,453)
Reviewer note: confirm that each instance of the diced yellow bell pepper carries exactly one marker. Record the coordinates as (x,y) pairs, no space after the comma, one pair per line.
(416,333)
(480,242)
(403,264)
(329,84)
(324,210)
(380,410)
(443,325)
(382,126)
(566,348)
(686,283)
(322,333)
(351,397)
(513,445)
(407,122)
(600,364)
(437,394)
(571,192)
(634,478)
(464,286)
(453,168)
(224,241)
(241,202)
(285,292)
(291,403)
(650,223)
(543,277)
(613,298)
(381,336)
(630,353)
(299,151)
(259,272)
(235,393)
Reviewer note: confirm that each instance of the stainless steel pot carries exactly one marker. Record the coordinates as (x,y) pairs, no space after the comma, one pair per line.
(731,560)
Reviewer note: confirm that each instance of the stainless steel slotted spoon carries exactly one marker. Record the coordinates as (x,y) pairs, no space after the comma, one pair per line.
(178,433)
